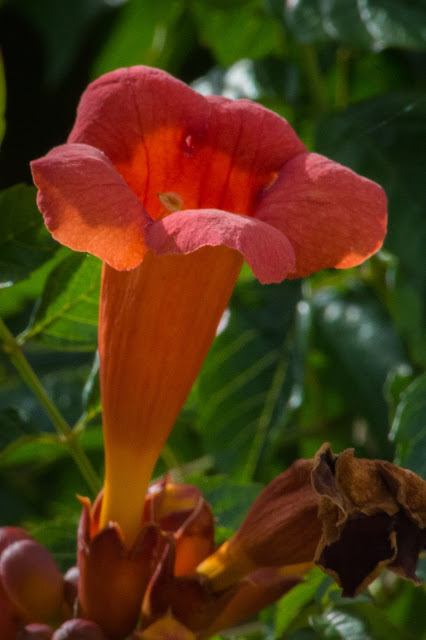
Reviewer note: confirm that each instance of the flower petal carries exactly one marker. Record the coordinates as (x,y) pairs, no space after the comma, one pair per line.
(181,510)
(265,249)
(9,617)
(332,216)
(373,515)
(88,206)
(366,545)
(162,136)
(113,579)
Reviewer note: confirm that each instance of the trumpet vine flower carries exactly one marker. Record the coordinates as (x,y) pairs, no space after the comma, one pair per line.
(173,191)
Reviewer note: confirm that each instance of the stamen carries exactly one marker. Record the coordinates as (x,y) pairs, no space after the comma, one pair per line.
(171,202)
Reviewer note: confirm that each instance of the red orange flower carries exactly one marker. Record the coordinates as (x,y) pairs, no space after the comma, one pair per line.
(173,190)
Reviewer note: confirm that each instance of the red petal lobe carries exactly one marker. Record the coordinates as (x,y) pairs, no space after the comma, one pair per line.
(88,206)
(332,216)
(265,249)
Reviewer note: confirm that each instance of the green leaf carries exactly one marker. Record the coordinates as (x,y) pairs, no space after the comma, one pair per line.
(396,382)
(341,625)
(409,427)
(25,243)
(224,4)
(303,634)
(144,33)
(407,607)
(2,100)
(67,316)
(91,391)
(383,139)
(243,386)
(421,569)
(62,375)
(59,536)
(395,23)
(20,298)
(91,396)
(296,599)
(63,28)
(305,21)
(357,621)
(312,20)
(406,294)
(230,501)
(13,425)
(373,74)
(373,24)
(232,32)
(358,336)
(268,81)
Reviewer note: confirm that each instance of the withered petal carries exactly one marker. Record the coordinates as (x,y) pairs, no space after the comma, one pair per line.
(366,544)
(408,489)
(410,541)
(373,515)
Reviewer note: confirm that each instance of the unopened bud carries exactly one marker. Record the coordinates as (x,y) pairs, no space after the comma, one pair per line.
(70,591)
(8,618)
(79,629)
(32,580)
(9,535)
(281,529)
(35,631)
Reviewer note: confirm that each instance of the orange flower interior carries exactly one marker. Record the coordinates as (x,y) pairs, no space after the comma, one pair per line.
(196,168)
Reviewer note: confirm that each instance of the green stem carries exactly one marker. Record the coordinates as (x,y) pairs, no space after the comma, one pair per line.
(341,94)
(313,75)
(67,435)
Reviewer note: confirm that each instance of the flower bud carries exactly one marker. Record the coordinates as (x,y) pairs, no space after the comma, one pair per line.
(35,631)
(79,629)
(71,590)
(32,580)
(281,529)
(8,617)
(9,535)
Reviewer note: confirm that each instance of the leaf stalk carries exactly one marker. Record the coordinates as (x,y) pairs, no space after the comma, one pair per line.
(67,435)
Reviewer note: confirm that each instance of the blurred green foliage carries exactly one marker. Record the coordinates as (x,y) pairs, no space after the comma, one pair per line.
(339,357)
